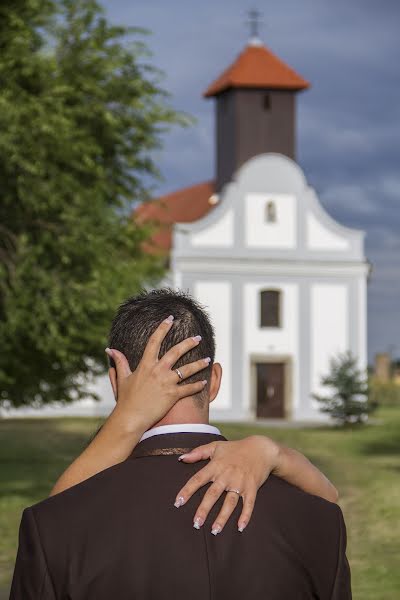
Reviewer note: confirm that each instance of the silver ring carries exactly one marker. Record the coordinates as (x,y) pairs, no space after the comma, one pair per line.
(236,491)
(179,373)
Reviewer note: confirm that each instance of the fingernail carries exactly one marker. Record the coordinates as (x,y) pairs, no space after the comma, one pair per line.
(182,456)
(179,501)
(207,360)
(242,526)
(216,530)
(197,338)
(204,381)
(169,319)
(198,522)
(108,351)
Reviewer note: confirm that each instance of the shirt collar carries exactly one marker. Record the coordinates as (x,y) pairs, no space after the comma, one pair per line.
(180,428)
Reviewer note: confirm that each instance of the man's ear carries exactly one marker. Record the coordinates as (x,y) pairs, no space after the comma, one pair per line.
(215,381)
(112,373)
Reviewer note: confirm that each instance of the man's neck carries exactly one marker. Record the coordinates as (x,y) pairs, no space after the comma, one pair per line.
(185,412)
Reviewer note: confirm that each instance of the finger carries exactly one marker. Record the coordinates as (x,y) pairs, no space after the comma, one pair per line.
(211,496)
(152,350)
(193,484)
(189,389)
(199,453)
(249,498)
(193,367)
(174,353)
(121,364)
(229,505)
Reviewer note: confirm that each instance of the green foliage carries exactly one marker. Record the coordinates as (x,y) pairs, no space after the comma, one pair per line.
(384,393)
(348,400)
(80,114)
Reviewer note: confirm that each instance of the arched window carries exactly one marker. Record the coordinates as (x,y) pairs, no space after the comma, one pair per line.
(270,308)
(270,212)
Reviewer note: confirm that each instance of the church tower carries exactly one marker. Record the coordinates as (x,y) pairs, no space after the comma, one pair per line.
(255,109)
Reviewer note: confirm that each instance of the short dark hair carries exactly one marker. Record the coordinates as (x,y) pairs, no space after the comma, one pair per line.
(139,316)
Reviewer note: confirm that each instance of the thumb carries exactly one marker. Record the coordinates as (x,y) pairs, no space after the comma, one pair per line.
(121,364)
(199,453)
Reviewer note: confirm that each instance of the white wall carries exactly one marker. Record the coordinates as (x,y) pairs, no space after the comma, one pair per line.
(218,234)
(216,296)
(86,407)
(329,333)
(319,237)
(262,234)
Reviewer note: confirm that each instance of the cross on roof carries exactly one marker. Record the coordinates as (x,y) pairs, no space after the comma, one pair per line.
(254,22)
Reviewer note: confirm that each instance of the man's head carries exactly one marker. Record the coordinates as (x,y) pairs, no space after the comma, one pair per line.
(139,316)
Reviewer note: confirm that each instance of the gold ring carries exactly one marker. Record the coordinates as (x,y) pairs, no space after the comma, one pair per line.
(179,373)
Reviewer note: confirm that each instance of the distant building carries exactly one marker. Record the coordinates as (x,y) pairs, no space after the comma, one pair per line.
(383,367)
(284,283)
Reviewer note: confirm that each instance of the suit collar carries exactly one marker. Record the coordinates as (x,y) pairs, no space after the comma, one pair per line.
(187,440)
(180,428)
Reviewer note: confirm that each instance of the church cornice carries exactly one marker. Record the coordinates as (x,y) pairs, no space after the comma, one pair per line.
(279,268)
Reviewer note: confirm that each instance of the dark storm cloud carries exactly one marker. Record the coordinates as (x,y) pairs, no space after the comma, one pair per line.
(348,122)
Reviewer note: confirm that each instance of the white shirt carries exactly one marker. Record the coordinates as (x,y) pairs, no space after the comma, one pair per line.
(181,428)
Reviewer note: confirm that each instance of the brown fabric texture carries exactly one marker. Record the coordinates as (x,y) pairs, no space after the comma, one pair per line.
(118,536)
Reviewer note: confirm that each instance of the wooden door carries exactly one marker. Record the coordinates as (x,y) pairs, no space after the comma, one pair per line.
(270,390)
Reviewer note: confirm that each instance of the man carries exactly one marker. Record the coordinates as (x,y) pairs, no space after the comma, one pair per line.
(118,534)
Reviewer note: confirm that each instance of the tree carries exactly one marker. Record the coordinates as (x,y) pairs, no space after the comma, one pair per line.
(348,400)
(81,112)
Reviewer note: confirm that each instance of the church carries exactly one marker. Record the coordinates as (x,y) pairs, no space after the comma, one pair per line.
(284,284)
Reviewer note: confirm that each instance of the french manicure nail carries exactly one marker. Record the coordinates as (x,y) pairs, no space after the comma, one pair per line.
(207,360)
(169,319)
(197,338)
(179,501)
(108,351)
(198,522)
(216,530)
(182,456)
(241,526)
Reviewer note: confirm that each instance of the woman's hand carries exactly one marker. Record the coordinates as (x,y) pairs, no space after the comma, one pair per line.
(244,466)
(154,378)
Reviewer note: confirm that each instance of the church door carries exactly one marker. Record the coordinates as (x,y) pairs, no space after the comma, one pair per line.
(270,390)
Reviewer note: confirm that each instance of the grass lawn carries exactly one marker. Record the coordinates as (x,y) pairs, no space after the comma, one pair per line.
(363,463)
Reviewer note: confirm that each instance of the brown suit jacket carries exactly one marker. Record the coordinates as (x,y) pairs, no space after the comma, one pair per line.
(118,536)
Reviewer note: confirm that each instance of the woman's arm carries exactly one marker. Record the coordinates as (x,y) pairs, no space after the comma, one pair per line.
(113,444)
(298,470)
(244,465)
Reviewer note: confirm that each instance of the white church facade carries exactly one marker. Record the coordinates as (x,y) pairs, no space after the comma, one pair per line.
(284,284)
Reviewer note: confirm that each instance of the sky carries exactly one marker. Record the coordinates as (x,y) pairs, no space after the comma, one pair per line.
(348,122)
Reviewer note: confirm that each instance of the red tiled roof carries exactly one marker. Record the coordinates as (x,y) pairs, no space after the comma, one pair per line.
(257,66)
(182,206)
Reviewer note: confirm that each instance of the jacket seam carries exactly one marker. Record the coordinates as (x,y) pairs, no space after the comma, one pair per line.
(338,553)
(208,565)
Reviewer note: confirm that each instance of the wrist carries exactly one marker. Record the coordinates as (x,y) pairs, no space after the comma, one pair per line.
(124,424)
(273,453)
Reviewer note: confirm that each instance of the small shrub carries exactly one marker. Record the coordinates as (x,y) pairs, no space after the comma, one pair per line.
(348,400)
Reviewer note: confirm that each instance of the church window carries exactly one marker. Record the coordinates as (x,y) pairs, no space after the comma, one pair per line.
(270,212)
(270,308)
(266,102)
